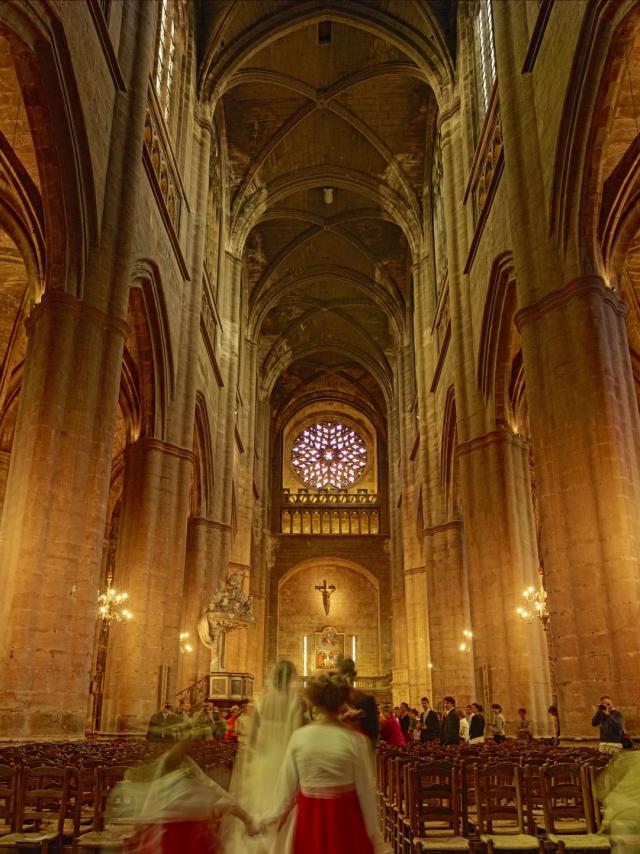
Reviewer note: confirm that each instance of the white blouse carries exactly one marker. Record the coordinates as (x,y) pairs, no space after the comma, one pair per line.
(325,758)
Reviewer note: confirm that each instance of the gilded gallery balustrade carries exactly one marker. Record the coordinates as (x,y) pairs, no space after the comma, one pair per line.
(327,512)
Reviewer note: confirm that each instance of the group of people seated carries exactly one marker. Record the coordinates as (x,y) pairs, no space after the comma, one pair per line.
(402,724)
(207,722)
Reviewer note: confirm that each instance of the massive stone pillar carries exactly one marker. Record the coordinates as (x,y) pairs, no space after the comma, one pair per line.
(203,576)
(446,533)
(400,670)
(452,672)
(586,436)
(142,655)
(53,519)
(584,422)
(510,656)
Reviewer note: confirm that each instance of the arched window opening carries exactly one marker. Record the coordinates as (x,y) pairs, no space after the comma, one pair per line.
(166,55)
(438,221)
(486,54)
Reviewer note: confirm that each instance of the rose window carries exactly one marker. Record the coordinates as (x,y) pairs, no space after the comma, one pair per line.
(329,454)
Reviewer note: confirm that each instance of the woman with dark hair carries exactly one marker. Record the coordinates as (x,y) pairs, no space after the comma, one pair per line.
(327,777)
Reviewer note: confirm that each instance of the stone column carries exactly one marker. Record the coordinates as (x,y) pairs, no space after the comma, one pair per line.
(586,437)
(203,576)
(150,567)
(584,422)
(53,519)
(446,552)
(452,672)
(400,671)
(502,560)
(241,644)
(229,306)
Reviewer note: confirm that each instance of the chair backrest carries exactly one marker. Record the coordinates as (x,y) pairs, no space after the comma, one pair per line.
(499,798)
(566,798)
(434,797)
(44,793)
(83,786)
(107,779)
(9,783)
(532,796)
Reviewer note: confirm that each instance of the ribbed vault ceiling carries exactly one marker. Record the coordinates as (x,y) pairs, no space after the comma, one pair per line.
(329,275)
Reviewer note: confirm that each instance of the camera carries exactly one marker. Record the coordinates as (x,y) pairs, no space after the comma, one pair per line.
(602,707)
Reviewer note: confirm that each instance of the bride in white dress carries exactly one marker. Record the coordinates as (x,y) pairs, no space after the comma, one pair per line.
(276,715)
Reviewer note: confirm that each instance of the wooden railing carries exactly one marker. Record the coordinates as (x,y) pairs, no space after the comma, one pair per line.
(329,513)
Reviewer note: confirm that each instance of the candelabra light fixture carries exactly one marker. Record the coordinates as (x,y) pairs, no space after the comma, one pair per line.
(536,603)
(465,646)
(112,605)
(185,647)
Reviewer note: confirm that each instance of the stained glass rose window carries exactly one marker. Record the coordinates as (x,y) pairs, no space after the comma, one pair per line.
(329,454)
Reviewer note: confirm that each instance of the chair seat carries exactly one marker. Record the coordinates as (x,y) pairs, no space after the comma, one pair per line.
(511,841)
(108,838)
(620,839)
(35,837)
(581,840)
(441,843)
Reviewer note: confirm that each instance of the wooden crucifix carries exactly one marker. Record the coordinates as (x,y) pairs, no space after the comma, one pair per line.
(326,594)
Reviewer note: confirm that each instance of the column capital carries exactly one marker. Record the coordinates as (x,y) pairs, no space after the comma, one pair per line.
(152,444)
(453,525)
(495,437)
(584,287)
(63,303)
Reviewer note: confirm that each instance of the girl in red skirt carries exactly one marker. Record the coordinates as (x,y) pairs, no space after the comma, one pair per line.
(327,777)
(174,806)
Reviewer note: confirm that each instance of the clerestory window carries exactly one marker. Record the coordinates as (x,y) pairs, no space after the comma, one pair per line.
(486,53)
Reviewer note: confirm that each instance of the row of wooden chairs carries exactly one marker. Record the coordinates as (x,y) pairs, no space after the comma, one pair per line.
(442,805)
(46,805)
(110,752)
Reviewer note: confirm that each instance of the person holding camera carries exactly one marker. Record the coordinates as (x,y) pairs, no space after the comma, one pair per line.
(611,723)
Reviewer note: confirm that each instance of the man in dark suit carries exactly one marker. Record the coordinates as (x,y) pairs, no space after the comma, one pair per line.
(450,730)
(405,721)
(164,725)
(429,723)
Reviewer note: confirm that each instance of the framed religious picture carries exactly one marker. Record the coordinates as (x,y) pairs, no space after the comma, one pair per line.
(329,648)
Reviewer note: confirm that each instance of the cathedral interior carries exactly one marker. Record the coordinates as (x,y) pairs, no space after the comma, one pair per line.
(319,338)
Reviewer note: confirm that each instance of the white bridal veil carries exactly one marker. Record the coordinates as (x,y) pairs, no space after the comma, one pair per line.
(277,713)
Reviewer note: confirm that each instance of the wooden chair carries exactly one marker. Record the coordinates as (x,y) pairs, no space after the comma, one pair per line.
(533,799)
(105,836)
(42,804)
(500,809)
(568,818)
(400,804)
(9,783)
(435,820)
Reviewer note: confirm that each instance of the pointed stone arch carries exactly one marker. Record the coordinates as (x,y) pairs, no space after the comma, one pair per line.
(448,446)
(45,72)
(151,320)
(203,474)
(577,196)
